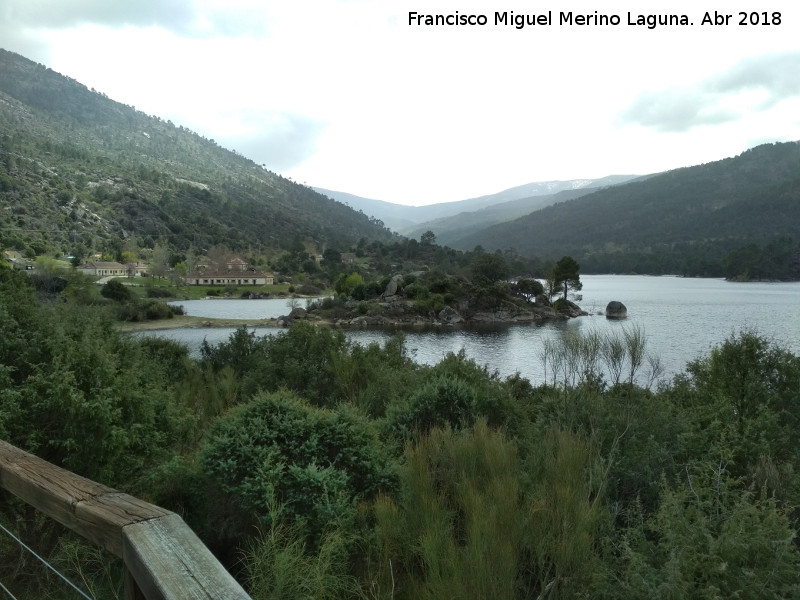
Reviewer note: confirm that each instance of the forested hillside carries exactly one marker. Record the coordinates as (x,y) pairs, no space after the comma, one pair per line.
(453,228)
(80,172)
(684,221)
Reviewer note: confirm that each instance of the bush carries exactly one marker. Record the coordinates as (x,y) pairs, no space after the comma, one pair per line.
(456,529)
(416,291)
(456,393)
(155,310)
(445,401)
(146,310)
(159,292)
(710,539)
(314,462)
(115,290)
(309,289)
(77,393)
(433,303)
(742,402)
(347,283)
(280,566)
(298,359)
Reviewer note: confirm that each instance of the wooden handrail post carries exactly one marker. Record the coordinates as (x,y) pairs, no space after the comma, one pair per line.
(164,557)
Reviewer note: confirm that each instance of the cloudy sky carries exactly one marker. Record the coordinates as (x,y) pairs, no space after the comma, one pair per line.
(347,95)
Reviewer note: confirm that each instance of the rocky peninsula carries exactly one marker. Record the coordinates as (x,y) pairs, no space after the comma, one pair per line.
(396,311)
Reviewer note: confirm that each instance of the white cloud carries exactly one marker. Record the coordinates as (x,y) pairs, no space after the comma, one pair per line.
(344,94)
(755,84)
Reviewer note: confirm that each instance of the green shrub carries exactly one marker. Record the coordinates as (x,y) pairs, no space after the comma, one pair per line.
(359,292)
(281,566)
(416,291)
(159,292)
(117,291)
(315,462)
(154,310)
(443,401)
(347,283)
(455,529)
(710,539)
(299,359)
(432,303)
(79,394)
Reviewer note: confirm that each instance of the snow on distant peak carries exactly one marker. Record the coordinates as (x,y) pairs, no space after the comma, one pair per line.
(581,183)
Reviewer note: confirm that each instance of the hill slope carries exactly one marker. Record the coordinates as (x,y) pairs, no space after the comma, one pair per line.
(681,221)
(411,220)
(450,230)
(77,168)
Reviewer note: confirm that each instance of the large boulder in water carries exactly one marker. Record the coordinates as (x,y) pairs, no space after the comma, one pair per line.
(616,310)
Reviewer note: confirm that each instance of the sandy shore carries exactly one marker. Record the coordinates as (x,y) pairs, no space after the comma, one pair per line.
(185,322)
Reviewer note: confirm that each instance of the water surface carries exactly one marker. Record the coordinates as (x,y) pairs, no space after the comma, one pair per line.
(682,319)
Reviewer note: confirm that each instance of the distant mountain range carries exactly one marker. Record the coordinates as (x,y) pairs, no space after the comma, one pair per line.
(685,220)
(505,205)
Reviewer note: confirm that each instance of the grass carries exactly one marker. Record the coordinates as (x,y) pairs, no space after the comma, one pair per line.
(139,286)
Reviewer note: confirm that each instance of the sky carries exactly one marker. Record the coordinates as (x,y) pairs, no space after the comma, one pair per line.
(360,96)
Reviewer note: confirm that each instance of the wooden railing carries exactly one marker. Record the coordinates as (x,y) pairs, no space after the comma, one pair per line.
(163,557)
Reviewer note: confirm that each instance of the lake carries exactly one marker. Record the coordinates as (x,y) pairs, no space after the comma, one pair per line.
(235,308)
(682,319)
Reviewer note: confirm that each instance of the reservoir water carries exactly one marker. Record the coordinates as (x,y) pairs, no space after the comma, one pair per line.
(682,319)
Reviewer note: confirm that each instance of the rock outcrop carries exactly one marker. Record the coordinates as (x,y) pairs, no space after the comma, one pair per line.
(393,309)
(616,310)
(391,287)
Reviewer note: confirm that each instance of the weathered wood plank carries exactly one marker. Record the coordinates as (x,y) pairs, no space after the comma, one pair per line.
(93,510)
(132,591)
(164,557)
(169,562)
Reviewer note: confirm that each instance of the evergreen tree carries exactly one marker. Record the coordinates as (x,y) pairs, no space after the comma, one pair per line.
(565,275)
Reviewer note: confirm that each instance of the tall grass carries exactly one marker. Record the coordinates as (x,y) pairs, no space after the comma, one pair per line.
(455,532)
(577,358)
(281,566)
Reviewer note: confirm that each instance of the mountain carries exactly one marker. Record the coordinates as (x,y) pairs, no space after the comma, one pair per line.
(449,230)
(409,220)
(79,170)
(396,217)
(681,221)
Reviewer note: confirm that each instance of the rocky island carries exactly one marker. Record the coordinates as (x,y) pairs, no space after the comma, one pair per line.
(406,302)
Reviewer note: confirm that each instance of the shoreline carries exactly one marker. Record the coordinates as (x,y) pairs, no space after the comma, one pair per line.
(190,322)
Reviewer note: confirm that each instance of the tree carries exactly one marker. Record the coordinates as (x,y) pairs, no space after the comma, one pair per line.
(428,238)
(331,256)
(528,287)
(347,283)
(489,268)
(565,275)
(159,262)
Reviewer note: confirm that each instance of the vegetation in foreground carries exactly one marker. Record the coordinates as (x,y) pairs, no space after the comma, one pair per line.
(316,468)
